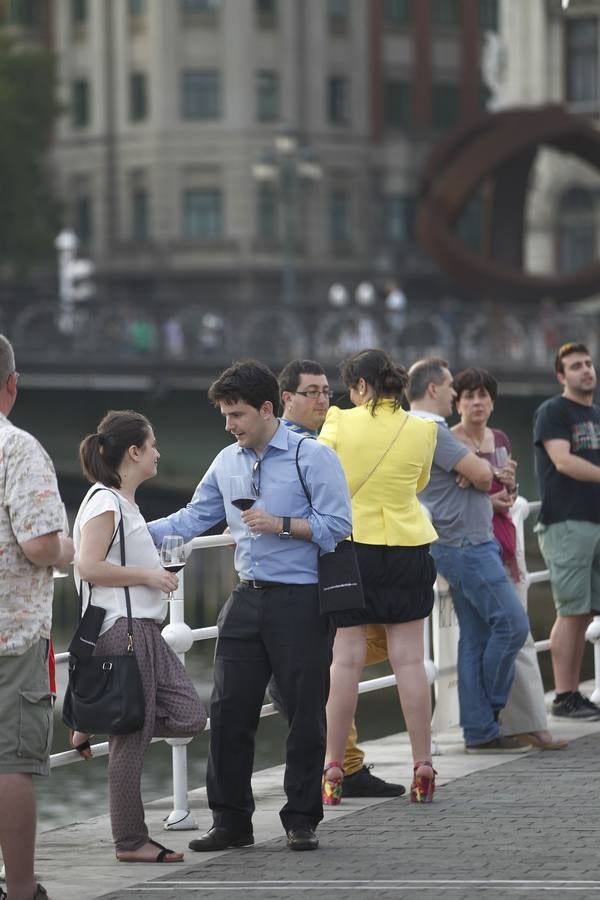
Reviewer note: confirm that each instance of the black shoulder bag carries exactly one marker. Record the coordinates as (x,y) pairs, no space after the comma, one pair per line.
(340,585)
(104,694)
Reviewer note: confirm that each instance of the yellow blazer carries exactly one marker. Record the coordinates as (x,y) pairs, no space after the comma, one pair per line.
(385,510)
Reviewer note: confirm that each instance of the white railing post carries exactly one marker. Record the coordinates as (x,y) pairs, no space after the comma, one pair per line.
(592,634)
(179,636)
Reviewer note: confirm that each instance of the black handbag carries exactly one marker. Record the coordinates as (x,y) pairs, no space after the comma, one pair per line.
(340,585)
(105,693)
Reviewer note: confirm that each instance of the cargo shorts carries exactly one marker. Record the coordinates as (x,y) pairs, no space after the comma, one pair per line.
(571,550)
(25,712)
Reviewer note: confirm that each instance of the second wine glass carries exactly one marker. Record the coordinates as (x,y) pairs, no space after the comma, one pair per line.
(172,555)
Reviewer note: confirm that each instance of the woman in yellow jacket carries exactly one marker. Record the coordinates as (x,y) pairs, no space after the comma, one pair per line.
(386,455)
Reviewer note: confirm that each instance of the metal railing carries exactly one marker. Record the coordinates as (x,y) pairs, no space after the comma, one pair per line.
(181,638)
(180,341)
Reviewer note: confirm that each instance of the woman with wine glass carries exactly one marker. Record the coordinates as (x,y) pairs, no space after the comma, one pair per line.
(524,716)
(117,458)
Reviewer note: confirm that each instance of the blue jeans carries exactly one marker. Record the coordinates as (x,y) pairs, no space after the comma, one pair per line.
(493,628)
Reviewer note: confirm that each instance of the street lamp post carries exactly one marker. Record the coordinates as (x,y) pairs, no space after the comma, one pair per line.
(288,163)
(73,279)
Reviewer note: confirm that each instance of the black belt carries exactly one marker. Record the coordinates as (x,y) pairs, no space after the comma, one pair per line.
(262,584)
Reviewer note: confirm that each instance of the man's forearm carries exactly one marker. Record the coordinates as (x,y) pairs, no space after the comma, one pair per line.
(575,467)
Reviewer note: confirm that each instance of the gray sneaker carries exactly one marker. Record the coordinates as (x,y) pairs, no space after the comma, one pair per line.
(498,745)
(576,706)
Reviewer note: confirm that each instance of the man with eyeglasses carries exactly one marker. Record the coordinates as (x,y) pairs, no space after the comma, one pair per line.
(31,525)
(305,396)
(270,624)
(567,456)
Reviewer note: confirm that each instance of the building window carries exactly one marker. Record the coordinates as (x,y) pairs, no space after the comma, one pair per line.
(266,212)
(445,105)
(200,7)
(469,226)
(138,96)
(203,214)
(397,104)
(200,94)
(582,60)
(267,96)
(576,231)
(140,209)
(80,103)
(488,15)
(338,100)
(340,217)
(83,219)
(396,13)
(338,16)
(25,13)
(79,12)
(266,13)
(399,218)
(445,12)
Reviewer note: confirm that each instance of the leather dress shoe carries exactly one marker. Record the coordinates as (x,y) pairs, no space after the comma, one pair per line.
(302,837)
(221,838)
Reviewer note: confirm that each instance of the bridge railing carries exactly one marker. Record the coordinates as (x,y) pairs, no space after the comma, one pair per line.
(180,338)
(181,638)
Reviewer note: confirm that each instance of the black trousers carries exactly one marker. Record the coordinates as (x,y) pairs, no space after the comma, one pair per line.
(262,632)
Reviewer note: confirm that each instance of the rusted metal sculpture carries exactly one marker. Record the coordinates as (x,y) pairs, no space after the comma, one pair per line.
(497,151)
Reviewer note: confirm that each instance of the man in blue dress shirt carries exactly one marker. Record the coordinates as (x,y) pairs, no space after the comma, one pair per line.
(270,623)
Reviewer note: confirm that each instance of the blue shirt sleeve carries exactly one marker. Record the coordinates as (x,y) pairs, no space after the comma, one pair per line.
(205,509)
(330,513)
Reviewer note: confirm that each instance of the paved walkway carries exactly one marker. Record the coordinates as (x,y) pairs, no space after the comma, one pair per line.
(510,826)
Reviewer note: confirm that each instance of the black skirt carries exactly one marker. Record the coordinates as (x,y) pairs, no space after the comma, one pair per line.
(397,582)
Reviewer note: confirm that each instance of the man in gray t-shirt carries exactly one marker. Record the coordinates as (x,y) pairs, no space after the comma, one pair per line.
(493,625)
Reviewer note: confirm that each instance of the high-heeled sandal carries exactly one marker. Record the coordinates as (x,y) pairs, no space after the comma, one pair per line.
(331,787)
(422,788)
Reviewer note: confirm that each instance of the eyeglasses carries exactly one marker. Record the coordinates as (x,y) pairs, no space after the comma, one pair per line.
(255,476)
(315,393)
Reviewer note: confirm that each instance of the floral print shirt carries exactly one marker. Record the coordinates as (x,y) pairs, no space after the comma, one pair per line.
(30,506)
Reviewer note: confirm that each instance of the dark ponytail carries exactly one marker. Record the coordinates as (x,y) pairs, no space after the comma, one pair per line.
(386,379)
(101,453)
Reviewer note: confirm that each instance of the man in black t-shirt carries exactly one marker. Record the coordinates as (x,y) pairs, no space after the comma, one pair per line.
(567,458)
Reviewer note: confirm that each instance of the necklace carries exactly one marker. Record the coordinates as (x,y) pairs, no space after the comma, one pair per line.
(476,446)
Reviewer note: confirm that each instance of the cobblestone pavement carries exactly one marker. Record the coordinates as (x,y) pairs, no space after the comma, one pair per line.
(518,831)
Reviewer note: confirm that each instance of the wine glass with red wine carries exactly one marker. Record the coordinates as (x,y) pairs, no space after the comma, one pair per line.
(242,493)
(172,555)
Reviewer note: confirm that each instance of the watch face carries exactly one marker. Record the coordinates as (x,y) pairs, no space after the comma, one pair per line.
(284,535)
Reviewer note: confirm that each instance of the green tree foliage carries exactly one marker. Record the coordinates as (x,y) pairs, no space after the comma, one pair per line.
(28,212)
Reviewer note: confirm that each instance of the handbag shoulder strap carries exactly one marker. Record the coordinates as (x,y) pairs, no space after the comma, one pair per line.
(303,483)
(381,459)
(366,478)
(120,530)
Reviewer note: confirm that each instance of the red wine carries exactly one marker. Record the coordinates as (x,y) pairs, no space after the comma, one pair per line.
(173,567)
(243,503)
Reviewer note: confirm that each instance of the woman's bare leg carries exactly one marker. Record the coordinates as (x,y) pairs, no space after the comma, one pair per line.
(349,651)
(405,649)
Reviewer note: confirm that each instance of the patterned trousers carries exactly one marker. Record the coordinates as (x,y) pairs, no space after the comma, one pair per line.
(173,709)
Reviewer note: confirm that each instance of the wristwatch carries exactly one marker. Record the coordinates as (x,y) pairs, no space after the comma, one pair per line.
(286,532)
